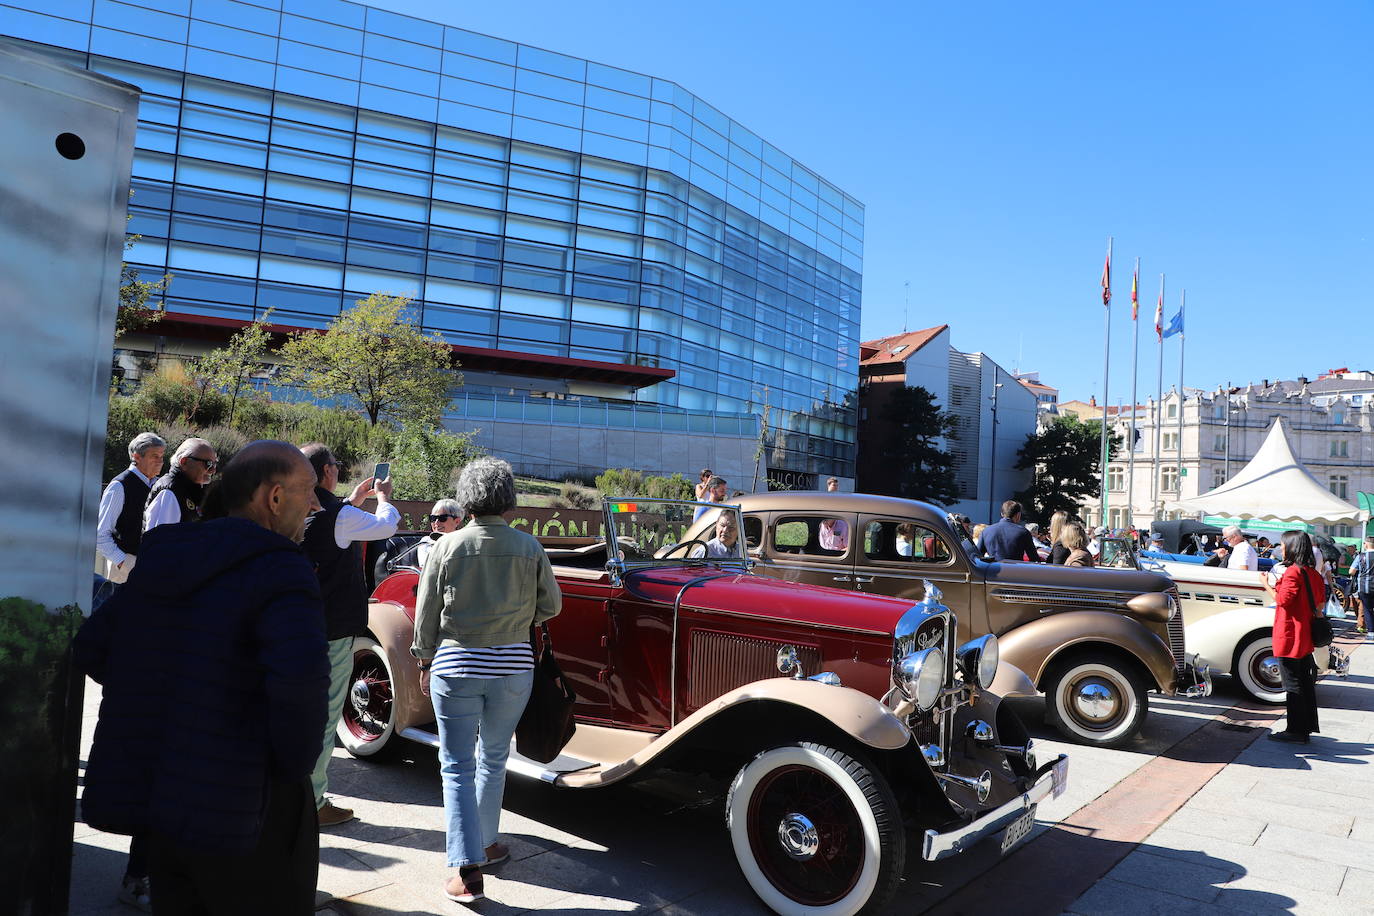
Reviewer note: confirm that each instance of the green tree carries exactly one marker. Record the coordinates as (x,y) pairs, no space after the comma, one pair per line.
(1065,459)
(135,295)
(920,468)
(229,368)
(374,355)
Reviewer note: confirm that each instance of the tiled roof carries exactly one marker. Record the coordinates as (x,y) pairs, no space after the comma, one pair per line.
(897,347)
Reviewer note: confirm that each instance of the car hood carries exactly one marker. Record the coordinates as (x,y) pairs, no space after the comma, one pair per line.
(712,588)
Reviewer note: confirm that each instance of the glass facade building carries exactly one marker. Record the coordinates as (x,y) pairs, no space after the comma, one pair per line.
(300,154)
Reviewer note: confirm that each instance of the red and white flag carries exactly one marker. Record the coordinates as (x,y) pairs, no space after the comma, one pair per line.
(1159,316)
(1107,277)
(1135,292)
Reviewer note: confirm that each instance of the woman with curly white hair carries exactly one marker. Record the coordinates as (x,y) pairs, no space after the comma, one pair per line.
(445,517)
(481,590)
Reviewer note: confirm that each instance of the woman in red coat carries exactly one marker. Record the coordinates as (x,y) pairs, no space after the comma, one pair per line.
(1294,604)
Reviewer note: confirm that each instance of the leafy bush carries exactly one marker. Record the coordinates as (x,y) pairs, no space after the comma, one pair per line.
(572,496)
(425,462)
(675,487)
(125,422)
(168,396)
(226,440)
(618,482)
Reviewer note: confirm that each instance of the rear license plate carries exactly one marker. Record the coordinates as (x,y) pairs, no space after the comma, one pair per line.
(1019,829)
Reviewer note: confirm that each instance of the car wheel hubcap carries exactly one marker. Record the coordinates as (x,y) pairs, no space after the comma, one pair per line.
(1268,673)
(1096,701)
(799,837)
(360,695)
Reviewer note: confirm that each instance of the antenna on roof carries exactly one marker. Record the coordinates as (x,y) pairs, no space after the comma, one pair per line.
(906,303)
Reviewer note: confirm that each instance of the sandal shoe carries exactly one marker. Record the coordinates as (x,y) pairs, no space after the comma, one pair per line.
(465,888)
(496,853)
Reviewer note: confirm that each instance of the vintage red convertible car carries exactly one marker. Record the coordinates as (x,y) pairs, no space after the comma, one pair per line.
(842,723)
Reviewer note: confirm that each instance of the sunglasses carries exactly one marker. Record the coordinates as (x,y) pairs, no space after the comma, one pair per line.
(443,518)
(210,463)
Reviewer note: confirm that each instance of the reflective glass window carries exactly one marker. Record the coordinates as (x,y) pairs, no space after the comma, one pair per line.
(50,30)
(410,104)
(602,265)
(218,204)
(407,27)
(612,339)
(622,80)
(549,256)
(457,114)
(226,67)
(379,48)
(457,216)
(533,106)
(530,204)
(386,258)
(388,179)
(311,111)
(666,252)
(609,242)
(242,14)
(300,271)
(610,195)
(156,137)
(154,109)
(401,155)
(212,259)
(570,68)
(608,218)
(315,139)
(333,34)
(152,23)
(471,270)
(288,298)
(533,329)
(479,70)
(238,42)
(303,245)
(472,168)
(147,251)
(368,280)
(311,165)
(479,45)
(458,292)
(543,157)
(524,302)
(223,149)
(343,12)
(310,83)
(615,125)
(381,203)
(464,243)
(219,175)
(385,231)
(447,317)
(139,48)
(149,79)
(214,232)
(534,278)
(543,182)
(480,94)
(395,76)
(609,290)
(192,285)
(147,222)
(308,191)
(469,192)
(308,57)
(620,103)
(198,116)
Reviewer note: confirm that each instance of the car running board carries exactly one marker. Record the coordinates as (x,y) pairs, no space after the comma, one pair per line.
(521,766)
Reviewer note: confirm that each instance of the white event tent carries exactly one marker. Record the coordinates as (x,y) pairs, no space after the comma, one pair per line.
(1274,486)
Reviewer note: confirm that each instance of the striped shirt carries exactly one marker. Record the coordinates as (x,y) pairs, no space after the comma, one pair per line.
(495,661)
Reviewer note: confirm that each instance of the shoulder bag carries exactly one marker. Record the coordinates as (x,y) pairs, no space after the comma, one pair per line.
(1322,633)
(547,724)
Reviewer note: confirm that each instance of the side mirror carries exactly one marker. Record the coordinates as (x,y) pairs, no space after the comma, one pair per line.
(616,570)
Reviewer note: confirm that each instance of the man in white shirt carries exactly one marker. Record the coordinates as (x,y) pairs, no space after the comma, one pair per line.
(716,489)
(1240,555)
(332,544)
(120,525)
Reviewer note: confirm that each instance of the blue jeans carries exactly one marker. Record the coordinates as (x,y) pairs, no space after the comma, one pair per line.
(477,718)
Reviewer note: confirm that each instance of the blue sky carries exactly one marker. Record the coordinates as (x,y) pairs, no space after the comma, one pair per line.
(997,145)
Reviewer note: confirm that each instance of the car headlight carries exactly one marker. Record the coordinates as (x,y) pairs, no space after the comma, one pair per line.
(921,676)
(978,660)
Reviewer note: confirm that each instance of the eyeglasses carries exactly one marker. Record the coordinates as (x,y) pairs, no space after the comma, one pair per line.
(210,463)
(443,518)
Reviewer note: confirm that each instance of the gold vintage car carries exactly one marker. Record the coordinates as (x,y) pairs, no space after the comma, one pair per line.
(1094,641)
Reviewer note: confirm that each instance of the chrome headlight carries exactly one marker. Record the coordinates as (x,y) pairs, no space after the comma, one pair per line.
(978,660)
(921,676)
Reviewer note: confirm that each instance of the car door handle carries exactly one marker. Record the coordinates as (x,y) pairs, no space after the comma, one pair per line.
(863,578)
(842,578)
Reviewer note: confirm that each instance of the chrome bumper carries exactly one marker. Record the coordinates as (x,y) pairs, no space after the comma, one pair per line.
(1195,680)
(1050,778)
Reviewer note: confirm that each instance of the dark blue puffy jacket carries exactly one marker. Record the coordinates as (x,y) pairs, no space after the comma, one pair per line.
(215,678)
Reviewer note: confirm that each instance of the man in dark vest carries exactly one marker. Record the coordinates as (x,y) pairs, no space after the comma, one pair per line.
(176,496)
(332,540)
(120,526)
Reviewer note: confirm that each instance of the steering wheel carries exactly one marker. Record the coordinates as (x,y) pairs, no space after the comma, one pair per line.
(671,548)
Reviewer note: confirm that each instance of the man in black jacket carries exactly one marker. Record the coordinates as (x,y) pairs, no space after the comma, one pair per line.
(214,671)
(1009,539)
(333,543)
(177,495)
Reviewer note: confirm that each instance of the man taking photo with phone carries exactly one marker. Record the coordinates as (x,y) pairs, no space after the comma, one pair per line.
(332,540)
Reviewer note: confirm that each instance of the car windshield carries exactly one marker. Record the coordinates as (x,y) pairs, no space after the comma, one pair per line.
(671,532)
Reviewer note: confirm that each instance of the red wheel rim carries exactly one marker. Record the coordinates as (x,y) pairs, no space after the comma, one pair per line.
(833,870)
(367,719)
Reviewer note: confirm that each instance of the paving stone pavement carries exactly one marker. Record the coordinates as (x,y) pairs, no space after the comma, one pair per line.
(1278,830)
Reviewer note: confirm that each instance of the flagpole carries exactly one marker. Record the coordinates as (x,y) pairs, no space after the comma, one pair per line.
(1182,298)
(1135,358)
(1106,373)
(1156,491)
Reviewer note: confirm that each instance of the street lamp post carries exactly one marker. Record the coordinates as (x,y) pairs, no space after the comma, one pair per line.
(992,463)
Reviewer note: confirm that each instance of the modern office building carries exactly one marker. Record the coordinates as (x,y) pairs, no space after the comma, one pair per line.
(605,250)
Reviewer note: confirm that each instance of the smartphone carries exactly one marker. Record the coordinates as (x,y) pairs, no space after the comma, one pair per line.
(381,471)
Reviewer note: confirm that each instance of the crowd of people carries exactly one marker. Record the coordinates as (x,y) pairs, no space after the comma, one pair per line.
(222,639)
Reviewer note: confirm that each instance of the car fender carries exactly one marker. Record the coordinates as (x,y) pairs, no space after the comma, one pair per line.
(859,716)
(389,624)
(1033,646)
(1214,638)
(1011,681)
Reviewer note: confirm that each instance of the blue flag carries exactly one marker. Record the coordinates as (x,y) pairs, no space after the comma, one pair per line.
(1175,324)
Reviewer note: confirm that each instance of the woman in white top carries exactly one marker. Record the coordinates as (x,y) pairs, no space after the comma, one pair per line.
(446,516)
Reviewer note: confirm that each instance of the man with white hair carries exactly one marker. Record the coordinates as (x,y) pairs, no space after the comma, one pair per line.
(120,525)
(1240,555)
(176,496)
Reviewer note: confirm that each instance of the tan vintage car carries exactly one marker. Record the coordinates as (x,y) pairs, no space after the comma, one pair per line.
(1094,641)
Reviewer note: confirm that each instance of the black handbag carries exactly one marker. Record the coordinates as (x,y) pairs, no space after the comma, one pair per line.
(547,724)
(1322,631)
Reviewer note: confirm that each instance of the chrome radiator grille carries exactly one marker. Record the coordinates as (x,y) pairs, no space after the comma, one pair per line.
(1176,645)
(723,661)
